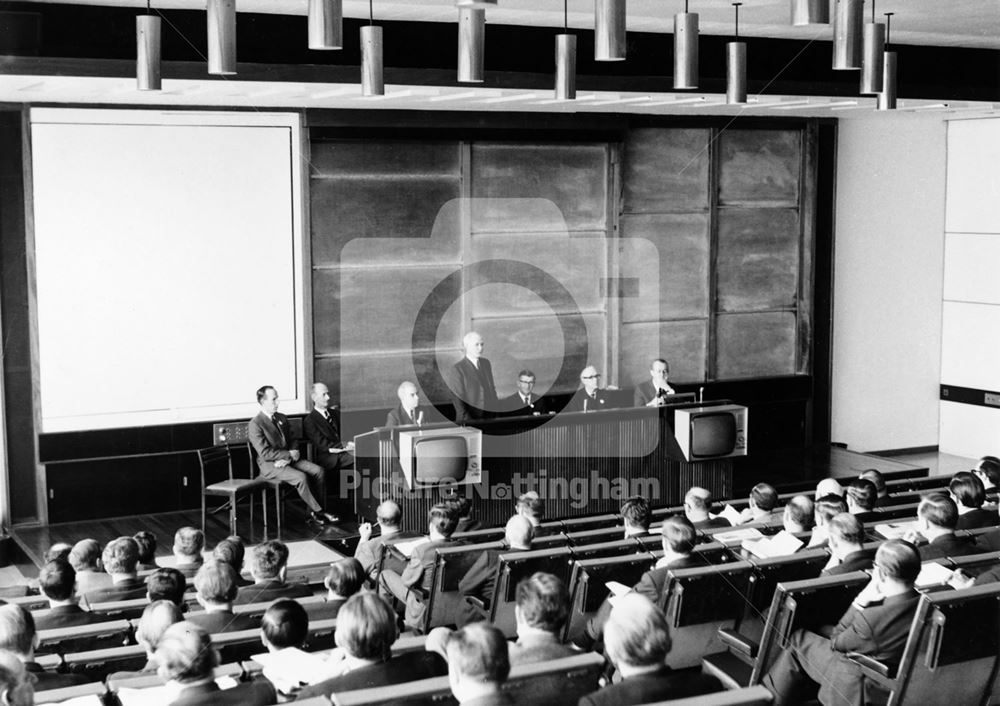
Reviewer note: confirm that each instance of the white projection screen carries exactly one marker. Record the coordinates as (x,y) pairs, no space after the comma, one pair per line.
(169,265)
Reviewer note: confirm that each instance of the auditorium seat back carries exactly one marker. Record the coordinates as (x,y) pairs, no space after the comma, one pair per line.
(975,564)
(595,536)
(95,691)
(705,554)
(479,536)
(619,547)
(451,565)
(113,633)
(587,587)
(30,603)
(121,610)
(768,573)
(747,696)
(589,522)
(516,566)
(98,664)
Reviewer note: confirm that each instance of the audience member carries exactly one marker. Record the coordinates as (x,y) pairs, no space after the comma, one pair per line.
(59,550)
(146,541)
(366,629)
(216,587)
(479,582)
(478,665)
(847,554)
(637,641)
(15,684)
(988,471)
(120,558)
(345,578)
(798,514)
(532,506)
(417,575)
(829,486)
(370,550)
(881,490)
(285,624)
(540,615)
(763,505)
(861,496)
(937,517)
(57,582)
(85,558)
(697,502)
(462,507)
(188,545)
(232,551)
(187,662)
(269,567)
(969,495)
(636,514)
(877,625)
(167,584)
(826,508)
(18,635)
(156,618)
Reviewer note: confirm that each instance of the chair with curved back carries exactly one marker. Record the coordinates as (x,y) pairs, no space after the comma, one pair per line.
(216,483)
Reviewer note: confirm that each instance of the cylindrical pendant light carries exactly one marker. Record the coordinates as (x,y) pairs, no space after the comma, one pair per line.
(565,60)
(471,44)
(810,12)
(736,64)
(887,98)
(686,49)
(873,47)
(609,30)
(483,4)
(847,28)
(372,73)
(222,37)
(326,24)
(147,51)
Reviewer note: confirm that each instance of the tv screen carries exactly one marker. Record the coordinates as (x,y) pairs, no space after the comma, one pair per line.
(713,434)
(440,458)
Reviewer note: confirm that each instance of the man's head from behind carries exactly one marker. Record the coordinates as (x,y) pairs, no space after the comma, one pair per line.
(59,550)
(829,486)
(15,685)
(519,532)
(828,507)
(636,635)
(763,497)
(897,563)
(389,515)
(345,578)
(798,515)
(232,551)
(967,490)
(188,545)
(215,583)
(167,584)
(57,580)
(121,556)
(542,603)
(861,496)
(442,520)
(937,512)
(366,627)
(478,662)
(846,534)
(679,535)
(17,631)
(531,506)
(988,470)
(875,476)
(156,618)
(146,541)
(86,556)
(269,560)
(185,654)
(285,624)
(636,514)
(696,503)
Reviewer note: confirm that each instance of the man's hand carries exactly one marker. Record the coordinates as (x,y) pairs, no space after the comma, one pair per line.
(281,463)
(655,402)
(294,453)
(960,580)
(365,530)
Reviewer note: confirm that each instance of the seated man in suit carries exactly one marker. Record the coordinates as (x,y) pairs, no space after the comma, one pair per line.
(322,428)
(798,514)
(846,536)
(366,629)
(829,486)
(825,509)
(471,382)
(591,397)
(679,538)
(462,507)
(146,541)
(478,665)
(57,582)
(524,402)
(271,436)
(85,558)
(156,618)
(120,558)
(345,578)
(407,413)
(937,517)
(412,586)
(763,505)
(232,551)
(285,626)
(861,496)
(636,515)
(15,685)
(479,581)
(653,392)
(216,587)
(988,471)
(881,489)
(189,542)
(369,551)
(969,495)
(637,641)
(697,501)
(167,584)
(18,635)
(877,625)
(187,662)
(269,567)
(531,506)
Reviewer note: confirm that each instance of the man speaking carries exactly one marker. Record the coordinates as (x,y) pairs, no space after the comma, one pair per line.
(471,383)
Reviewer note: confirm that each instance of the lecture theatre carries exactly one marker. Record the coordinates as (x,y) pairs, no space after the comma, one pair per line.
(496,351)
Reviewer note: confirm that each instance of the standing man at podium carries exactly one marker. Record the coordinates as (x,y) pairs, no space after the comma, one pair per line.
(652,392)
(473,390)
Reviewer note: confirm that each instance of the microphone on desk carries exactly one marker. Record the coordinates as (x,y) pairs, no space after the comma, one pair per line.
(701,394)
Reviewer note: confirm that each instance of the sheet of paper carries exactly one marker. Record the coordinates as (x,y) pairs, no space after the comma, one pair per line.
(406,548)
(292,667)
(617,589)
(739,535)
(895,530)
(933,574)
(731,514)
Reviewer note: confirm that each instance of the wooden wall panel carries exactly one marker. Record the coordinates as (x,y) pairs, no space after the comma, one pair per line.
(755,345)
(385,157)
(760,166)
(758,259)
(683,343)
(666,170)
(369,381)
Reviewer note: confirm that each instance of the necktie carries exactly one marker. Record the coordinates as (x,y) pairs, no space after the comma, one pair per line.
(281,433)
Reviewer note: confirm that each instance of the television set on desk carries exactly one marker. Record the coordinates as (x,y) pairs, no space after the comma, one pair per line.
(710,432)
(434,457)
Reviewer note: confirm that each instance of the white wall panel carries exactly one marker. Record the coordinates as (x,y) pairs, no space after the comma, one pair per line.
(973,176)
(970,342)
(969,430)
(970,267)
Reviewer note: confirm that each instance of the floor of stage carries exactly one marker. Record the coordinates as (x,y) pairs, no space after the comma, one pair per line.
(782,468)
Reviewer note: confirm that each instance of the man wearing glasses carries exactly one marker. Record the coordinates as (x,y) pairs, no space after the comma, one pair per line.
(591,397)
(524,402)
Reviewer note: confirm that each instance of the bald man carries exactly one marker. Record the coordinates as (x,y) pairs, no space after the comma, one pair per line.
(407,412)
(322,428)
(590,397)
(473,391)
(480,580)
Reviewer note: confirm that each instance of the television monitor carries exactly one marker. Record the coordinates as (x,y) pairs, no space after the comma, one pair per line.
(710,432)
(434,457)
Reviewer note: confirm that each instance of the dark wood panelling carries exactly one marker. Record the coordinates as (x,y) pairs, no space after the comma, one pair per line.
(755,345)
(758,259)
(666,170)
(759,166)
(683,343)
(384,158)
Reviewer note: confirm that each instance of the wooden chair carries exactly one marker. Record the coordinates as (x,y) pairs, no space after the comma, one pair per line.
(227,485)
(516,566)
(587,586)
(112,633)
(451,565)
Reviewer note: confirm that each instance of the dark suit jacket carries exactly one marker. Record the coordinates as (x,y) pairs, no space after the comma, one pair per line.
(974,519)
(215,623)
(473,391)
(991,576)
(514,405)
(270,590)
(398,417)
(576,402)
(325,435)
(65,616)
(46,681)
(644,392)
(410,666)
(121,591)
(267,440)
(855,561)
(660,685)
(188,570)
(254,693)
(467,524)
(946,546)
(712,523)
